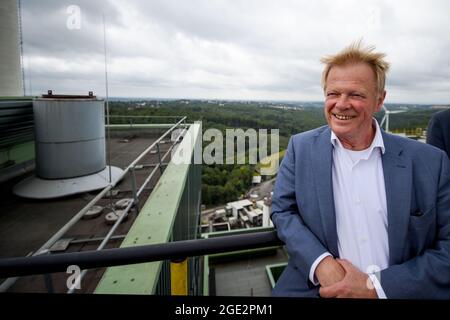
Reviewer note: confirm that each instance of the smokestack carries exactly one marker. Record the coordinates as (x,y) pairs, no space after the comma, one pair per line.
(11,81)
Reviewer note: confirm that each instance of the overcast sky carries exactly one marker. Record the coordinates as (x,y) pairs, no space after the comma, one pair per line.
(230,49)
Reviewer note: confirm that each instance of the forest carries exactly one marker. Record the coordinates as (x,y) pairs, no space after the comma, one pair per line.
(223,183)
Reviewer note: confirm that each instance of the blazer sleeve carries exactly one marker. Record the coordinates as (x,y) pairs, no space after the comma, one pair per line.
(426,276)
(435,133)
(302,245)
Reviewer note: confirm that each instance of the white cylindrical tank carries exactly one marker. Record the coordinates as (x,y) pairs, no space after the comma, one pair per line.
(11,83)
(70,137)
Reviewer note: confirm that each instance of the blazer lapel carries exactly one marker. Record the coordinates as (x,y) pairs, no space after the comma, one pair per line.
(397,179)
(322,155)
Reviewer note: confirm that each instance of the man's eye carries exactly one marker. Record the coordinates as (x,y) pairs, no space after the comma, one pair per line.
(331,94)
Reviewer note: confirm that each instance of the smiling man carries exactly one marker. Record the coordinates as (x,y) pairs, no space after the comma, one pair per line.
(363,213)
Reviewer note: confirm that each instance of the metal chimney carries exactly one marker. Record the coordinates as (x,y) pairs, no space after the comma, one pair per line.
(70,147)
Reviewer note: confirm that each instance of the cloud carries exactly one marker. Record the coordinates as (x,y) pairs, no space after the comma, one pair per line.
(232,49)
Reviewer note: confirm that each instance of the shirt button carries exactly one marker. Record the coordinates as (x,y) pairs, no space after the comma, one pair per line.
(357,200)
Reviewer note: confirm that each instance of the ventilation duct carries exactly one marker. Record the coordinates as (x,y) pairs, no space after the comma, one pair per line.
(70,148)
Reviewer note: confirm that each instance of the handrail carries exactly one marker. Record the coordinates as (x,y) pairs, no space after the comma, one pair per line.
(5,285)
(14,267)
(124,213)
(145,117)
(100,195)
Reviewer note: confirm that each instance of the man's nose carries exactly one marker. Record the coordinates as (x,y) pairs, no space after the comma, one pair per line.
(342,102)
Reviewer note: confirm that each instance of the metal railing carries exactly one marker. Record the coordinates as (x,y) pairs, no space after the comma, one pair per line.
(136,193)
(14,267)
(129,169)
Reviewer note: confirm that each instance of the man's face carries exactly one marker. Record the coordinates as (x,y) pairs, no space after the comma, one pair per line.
(350,100)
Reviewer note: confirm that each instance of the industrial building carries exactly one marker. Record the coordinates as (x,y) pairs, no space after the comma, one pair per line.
(245,213)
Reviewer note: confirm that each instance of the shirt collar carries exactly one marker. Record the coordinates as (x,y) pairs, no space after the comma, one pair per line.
(377,140)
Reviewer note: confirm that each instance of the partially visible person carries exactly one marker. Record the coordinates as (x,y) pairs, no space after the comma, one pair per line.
(438,133)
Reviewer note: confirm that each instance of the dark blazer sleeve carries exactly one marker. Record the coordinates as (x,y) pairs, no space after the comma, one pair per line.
(435,133)
(438,132)
(303,246)
(428,274)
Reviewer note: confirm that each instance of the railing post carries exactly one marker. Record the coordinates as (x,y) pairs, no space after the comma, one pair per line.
(134,188)
(47,276)
(159,159)
(179,277)
(48,283)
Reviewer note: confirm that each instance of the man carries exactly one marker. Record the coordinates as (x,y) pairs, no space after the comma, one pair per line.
(351,200)
(438,133)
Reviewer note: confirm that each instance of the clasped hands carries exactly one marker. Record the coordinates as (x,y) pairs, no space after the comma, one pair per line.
(340,279)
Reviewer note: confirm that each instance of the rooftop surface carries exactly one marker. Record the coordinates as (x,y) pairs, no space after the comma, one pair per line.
(246,276)
(25,225)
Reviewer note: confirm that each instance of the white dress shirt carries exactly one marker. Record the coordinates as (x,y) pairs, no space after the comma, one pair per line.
(360,206)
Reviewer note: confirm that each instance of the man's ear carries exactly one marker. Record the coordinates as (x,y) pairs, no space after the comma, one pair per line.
(380,101)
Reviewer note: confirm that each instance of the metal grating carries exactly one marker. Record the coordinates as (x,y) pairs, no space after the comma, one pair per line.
(16,122)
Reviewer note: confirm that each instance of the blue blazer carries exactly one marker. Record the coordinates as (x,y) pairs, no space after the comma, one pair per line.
(438,132)
(417,179)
